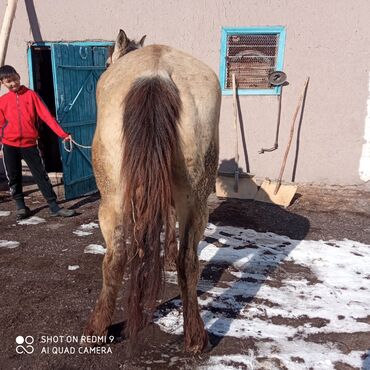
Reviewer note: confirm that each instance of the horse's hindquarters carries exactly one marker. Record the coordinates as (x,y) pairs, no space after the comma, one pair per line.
(156,144)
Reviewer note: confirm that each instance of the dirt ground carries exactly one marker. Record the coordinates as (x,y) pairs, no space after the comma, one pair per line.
(44,294)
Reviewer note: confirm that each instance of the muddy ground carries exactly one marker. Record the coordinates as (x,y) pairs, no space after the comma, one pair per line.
(42,295)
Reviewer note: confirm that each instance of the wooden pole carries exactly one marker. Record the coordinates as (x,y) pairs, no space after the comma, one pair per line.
(6,27)
(236,173)
(290,137)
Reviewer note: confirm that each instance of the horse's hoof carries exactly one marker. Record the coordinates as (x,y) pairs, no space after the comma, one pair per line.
(195,349)
(91,335)
(202,346)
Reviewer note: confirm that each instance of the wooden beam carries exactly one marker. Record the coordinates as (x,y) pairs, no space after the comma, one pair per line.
(6,28)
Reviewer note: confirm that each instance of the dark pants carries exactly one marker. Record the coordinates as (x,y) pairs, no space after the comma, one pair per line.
(13,166)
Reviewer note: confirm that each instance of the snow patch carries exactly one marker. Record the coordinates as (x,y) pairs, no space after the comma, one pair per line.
(280,309)
(4,213)
(230,362)
(8,244)
(81,233)
(95,249)
(34,220)
(90,226)
(73,267)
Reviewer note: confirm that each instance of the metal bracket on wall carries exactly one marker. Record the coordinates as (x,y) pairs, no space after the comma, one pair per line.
(276,78)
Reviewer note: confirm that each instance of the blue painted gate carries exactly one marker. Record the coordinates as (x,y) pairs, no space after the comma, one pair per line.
(76,70)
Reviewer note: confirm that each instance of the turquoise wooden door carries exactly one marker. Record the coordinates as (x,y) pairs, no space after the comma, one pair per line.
(76,70)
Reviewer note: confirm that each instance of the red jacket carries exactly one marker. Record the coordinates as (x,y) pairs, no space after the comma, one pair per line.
(18,114)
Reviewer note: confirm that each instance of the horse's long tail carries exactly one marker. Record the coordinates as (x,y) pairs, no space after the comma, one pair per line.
(150,139)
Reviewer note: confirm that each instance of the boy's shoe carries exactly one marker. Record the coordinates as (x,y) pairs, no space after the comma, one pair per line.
(63,212)
(23,213)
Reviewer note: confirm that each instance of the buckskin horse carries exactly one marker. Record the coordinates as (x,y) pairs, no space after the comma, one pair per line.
(155,150)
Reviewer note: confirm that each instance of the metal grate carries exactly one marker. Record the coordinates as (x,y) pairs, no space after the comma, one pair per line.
(252,57)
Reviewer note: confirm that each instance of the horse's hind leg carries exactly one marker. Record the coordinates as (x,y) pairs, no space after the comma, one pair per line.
(192,222)
(113,269)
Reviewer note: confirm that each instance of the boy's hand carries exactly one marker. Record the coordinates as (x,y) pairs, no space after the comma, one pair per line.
(67,138)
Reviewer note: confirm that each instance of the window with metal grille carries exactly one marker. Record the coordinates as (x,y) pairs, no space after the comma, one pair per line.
(252,54)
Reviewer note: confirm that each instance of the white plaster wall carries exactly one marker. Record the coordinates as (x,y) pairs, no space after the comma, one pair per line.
(364,169)
(326,40)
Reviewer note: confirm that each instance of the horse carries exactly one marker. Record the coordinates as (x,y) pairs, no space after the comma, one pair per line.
(155,155)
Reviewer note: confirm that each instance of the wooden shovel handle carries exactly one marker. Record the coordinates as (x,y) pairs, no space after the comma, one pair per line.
(290,136)
(236,172)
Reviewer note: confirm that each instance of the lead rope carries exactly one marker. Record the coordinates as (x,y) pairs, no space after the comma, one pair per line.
(71,142)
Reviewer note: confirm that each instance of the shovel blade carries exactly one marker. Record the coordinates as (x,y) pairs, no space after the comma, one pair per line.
(225,187)
(283,197)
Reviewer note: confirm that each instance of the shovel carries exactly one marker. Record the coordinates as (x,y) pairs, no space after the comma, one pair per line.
(236,185)
(274,191)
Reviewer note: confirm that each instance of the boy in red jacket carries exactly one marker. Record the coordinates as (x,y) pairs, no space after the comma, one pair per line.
(19,109)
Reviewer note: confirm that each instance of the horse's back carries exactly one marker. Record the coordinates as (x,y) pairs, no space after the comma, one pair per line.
(156,58)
